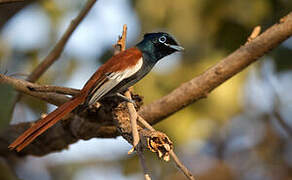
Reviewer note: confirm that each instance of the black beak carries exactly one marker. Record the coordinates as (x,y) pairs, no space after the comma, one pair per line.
(175,47)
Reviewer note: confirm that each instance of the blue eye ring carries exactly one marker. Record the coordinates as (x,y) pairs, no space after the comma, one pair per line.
(162,39)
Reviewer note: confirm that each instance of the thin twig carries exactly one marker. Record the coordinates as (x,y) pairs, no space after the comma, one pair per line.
(145,169)
(54,89)
(19,74)
(23,87)
(282,122)
(59,47)
(180,165)
(121,46)
(176,160)
(133,118)
(145,123)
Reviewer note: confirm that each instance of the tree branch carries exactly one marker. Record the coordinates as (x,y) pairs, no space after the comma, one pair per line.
(188,93)
(25,87)
(54,89)
(176,160)
(57,138)
(58,49)
(202,85)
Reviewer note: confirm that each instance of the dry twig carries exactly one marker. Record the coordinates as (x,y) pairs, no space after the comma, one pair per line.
(54,89)
(50,94)
(121,46)
(59,47)
(133,118)
(283,122)
(176,160)
(145,169)
(23,87)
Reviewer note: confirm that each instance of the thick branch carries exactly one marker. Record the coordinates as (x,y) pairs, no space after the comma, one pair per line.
(202,85)
(64,133)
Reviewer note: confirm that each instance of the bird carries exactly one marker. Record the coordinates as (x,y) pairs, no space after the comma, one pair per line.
(115,76)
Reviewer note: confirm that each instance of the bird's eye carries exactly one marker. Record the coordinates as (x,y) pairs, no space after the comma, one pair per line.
(162,39)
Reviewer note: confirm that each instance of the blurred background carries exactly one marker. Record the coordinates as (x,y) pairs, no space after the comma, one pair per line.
(241,131)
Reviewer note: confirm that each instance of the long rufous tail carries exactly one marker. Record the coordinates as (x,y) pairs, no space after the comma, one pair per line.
(42,125)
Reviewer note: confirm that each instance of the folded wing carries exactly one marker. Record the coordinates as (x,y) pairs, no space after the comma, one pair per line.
(112,79)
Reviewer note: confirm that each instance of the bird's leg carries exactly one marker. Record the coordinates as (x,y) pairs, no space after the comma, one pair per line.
(126,99)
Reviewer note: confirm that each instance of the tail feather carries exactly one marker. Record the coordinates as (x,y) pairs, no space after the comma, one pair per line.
(42,125)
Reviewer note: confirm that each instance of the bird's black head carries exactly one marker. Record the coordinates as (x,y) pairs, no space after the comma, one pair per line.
(158,45)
